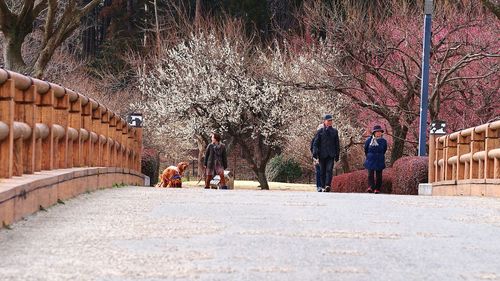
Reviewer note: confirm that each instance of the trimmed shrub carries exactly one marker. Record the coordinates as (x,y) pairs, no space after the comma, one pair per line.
(409,172)
(150,164)
(283,170)
(358,181)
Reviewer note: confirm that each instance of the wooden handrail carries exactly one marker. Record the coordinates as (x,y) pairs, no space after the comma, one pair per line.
(470,154)
(44,126)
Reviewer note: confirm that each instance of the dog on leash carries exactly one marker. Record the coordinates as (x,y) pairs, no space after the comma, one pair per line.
(172,175)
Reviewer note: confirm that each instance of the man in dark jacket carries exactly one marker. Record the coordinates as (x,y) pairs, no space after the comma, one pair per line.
(317,169)
(326,148)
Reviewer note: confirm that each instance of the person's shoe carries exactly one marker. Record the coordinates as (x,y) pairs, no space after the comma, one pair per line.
(369,190)
(376,191)
(320,189)
(224,187)
(327,189)
(207,187)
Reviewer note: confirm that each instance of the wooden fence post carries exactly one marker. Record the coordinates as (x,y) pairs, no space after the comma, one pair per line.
(138,149)
(6,124)
(60,126)
(492,165)
(43,100)
(131,144)
(75,123)
(463,148)
(118,136)
(125,143)
(450,150)
(435,154)
(24,112)
(476,165)
(113,139)
(106,149)
(96,129)
(86,159)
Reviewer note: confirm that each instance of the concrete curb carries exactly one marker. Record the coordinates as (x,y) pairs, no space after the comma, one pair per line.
(22,196)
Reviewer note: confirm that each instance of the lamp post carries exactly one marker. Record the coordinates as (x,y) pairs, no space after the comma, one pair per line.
(135,120)
(424,86)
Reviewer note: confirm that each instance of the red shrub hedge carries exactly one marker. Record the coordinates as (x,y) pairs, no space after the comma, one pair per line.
(408,173)
(358,181)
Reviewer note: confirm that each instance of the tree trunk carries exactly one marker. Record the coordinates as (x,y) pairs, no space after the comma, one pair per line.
(261,177)
(493,6)
(42,62)
(201,155)
(252,153)
(344,159)
(399,138)
(90,37)
(12,55)
(130,14)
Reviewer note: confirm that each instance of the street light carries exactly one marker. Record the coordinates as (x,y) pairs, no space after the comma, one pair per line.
(438,127)
(135,120)
(424,86)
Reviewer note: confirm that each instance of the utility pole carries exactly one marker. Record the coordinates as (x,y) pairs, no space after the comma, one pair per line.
(424,86)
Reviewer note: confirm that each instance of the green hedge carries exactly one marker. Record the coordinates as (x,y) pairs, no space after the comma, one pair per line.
(150,164)
(283,170)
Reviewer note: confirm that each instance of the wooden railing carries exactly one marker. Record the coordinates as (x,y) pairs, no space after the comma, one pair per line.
(470,156)
(44,126)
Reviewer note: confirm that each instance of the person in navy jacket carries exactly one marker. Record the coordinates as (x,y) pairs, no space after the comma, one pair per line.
(326,148)
(316,162)
(375,148)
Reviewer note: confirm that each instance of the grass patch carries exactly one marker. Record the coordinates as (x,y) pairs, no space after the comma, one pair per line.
(6,226)
(118,185)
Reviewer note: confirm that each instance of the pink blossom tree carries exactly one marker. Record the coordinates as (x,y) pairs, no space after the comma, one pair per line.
(377,64)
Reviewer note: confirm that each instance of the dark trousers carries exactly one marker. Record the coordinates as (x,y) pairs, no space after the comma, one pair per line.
(375,184)
(326,167)
(318,175)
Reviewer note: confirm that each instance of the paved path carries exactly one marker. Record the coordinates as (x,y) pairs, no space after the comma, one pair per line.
(193,234)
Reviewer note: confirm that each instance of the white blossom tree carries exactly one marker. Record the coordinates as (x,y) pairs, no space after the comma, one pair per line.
(211,82)
(299,67)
